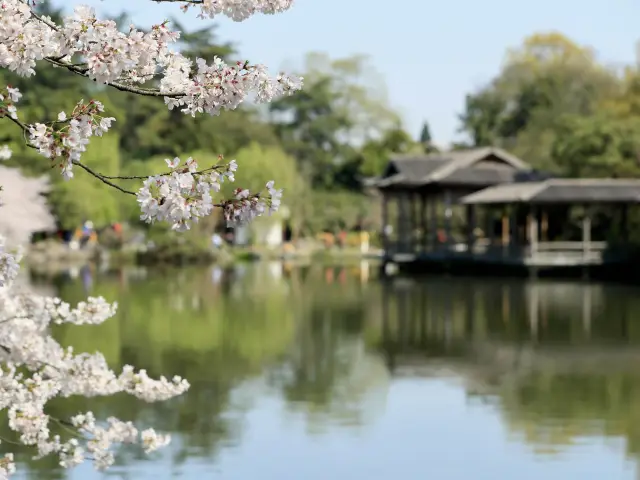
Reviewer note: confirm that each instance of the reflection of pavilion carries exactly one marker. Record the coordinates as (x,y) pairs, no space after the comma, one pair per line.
(464,327)
(557,361)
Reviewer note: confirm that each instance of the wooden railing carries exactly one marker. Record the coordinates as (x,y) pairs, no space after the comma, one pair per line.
(483,249)
(569,246)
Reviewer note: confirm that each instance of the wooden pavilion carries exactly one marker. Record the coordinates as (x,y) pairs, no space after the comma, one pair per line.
(420,193)
(537,216)
(485,206)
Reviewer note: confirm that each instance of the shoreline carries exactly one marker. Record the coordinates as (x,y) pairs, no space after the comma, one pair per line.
(58,258)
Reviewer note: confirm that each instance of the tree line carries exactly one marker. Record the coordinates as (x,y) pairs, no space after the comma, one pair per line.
(555,105)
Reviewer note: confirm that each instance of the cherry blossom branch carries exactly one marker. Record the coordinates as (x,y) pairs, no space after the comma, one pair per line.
(209,89)
(144,177)
(181,196)
(84,72)
(34,367)
(101,177)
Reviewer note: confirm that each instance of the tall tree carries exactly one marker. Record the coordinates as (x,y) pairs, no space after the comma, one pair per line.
(425,139)
(374,154)
(310,131)
(425,134)
(600,145)
(547,77)
(342,106)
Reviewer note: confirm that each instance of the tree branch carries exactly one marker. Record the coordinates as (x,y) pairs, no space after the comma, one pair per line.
(83,71)
(148,92)
(102,178)
(106,179)
(144,177)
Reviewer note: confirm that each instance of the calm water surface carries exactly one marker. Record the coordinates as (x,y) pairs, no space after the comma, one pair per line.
(327,372)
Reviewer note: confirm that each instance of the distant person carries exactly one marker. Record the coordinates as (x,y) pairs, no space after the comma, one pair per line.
(87,230)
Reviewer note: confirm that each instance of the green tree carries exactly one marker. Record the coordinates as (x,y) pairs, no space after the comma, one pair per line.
(260,164)
(543,80)
(342,106)
(425,134)
(425,139)
(84,198)
(374,155)
(599,145)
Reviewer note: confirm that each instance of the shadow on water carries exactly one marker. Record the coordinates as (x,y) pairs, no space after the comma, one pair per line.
(557,361)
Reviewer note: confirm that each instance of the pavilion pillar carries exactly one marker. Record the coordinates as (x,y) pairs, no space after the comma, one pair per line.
(513,227)
(406,221)
(447,216)
(489,224)
(413,222)
(505,227)
(586,233)
(471,227)
(385,222)
(532,225)
(433,220)
(401,233)
(423,222)
(544,227)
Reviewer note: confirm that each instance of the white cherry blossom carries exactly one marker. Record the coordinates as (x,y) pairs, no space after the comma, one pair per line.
(34,367)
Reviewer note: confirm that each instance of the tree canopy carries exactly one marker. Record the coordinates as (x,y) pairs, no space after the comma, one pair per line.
(525,107)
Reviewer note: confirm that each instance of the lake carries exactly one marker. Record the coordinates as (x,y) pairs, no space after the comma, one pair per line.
(330,372)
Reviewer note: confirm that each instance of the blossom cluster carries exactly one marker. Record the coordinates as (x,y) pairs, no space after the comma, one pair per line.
(62,140)
(36,369)
(214,87)
(66,139)
(129,59)
(240,10)
(246,206)
(9,96)
(184,195)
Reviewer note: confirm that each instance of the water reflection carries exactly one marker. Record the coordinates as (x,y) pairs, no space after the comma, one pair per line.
(560,360)
(284,358)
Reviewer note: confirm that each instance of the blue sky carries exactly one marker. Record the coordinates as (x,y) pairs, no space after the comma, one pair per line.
(430,53)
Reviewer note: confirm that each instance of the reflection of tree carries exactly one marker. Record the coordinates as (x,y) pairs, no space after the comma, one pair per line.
(219,336)
(549,409)
(215,342)
(317,337)
(328,375)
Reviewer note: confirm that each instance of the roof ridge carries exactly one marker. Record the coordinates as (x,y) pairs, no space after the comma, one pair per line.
(473,153)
